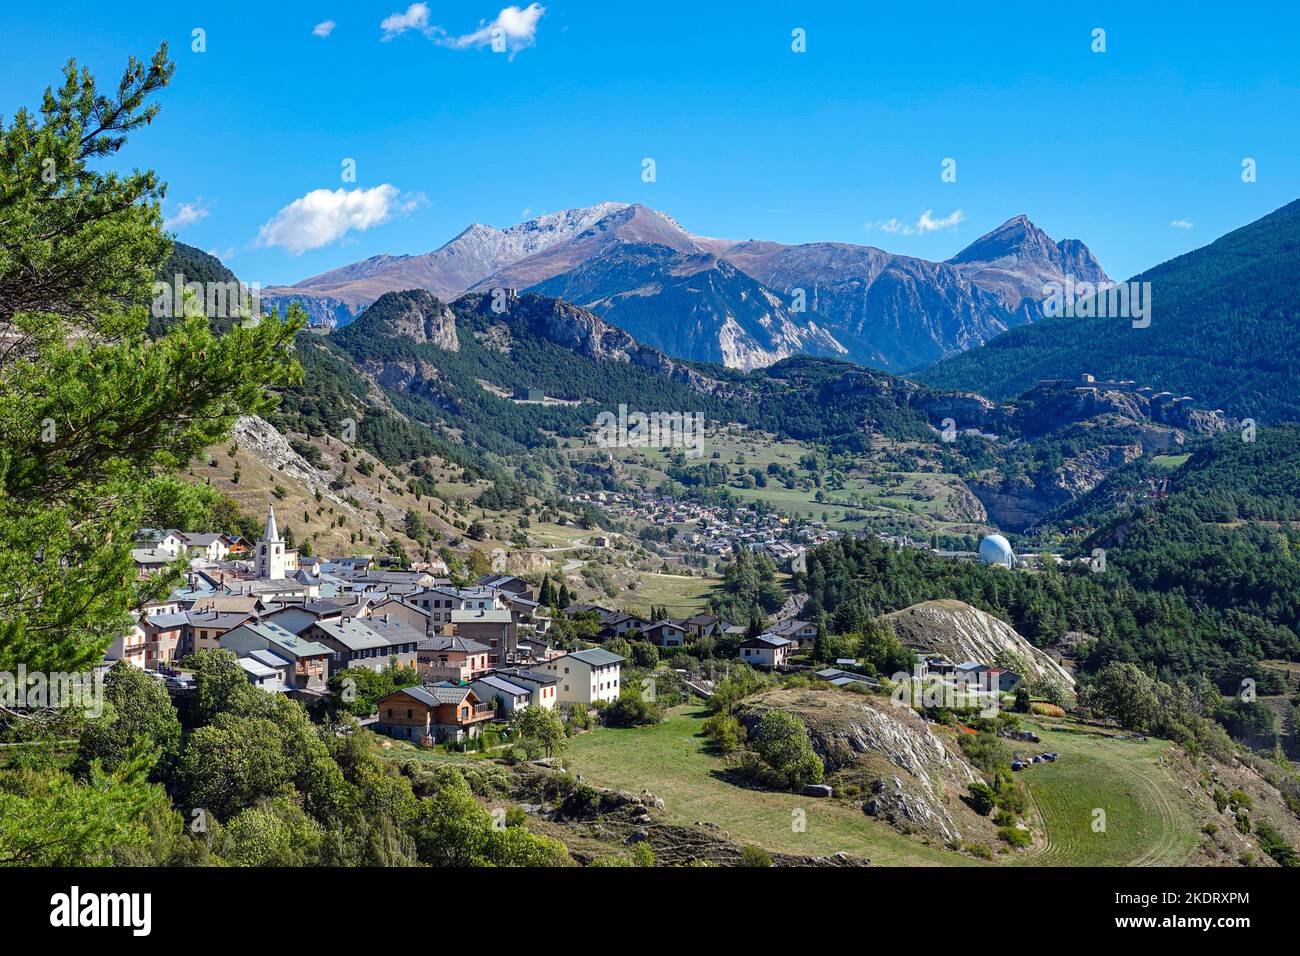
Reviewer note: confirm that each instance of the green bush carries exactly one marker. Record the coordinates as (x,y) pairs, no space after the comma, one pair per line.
(1015,836)
(754,856)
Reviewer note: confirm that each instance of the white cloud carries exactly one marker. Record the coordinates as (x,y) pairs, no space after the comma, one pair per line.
(416,17)
(512,30)
(925,223)
(324,28)
(1182,224)
(324,216)
(187,215)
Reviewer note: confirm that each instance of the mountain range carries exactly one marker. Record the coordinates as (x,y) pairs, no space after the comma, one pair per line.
(743,304)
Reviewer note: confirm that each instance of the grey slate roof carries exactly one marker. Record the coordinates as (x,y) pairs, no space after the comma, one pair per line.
(433,695)
(596,657)
(502,684)
(768,640)
(453,644)
(352,634)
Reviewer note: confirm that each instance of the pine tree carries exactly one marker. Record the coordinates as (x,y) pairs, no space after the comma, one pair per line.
(90,406)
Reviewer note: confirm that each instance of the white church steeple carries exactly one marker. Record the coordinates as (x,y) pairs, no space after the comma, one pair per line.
(270,550)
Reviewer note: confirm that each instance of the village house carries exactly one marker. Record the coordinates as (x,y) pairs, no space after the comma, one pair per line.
(403,640)
(585,608)
(937,667)
(309,660)
(412,615)
(587,677)
(150,561)
(442,601)
(167,605)
(226,603)
(705,625)
(433,714)
(205,627)
(161,539)
(969,672)
(297,616)
(798,632)
(163,635)
(509,584)
(502,693)
(451,658)
(213,547)
(1001,679)
(766,650)
(619,625)
(543,687)
(494,628)
(130,647)
(266,670)
(664,634)
(534,649)
(351,643)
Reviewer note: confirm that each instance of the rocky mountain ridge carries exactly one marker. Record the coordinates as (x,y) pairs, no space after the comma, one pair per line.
(745,304)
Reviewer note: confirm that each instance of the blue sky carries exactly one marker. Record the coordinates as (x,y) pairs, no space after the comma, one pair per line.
(750,139)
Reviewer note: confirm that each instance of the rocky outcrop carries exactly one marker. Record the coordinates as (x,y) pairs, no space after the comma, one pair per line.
(415,315)
(892,760)
(427,321)
(960,633)
(585,333)
(269,446)
(1019,503)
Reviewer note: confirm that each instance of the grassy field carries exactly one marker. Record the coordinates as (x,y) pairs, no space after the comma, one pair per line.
(670,761)
(1170,462)
(1148,818)
(683,596)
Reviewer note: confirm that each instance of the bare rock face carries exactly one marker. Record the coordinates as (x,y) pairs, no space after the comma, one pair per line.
(965,506)
(1079,475)
(1017,259)
(587,334)
(691,305)
(902,771)
(1019,503)
(270,447)
(960,632)
(416,315)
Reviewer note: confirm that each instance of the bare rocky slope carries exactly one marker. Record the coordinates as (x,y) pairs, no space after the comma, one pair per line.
(960,633)
(890,762)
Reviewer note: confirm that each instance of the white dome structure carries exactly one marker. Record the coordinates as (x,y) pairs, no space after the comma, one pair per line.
(995,549)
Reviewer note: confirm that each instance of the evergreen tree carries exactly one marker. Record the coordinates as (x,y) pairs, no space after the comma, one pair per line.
(90,406)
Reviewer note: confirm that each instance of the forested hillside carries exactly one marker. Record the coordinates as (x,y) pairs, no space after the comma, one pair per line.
(1223,329)
(854,580)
